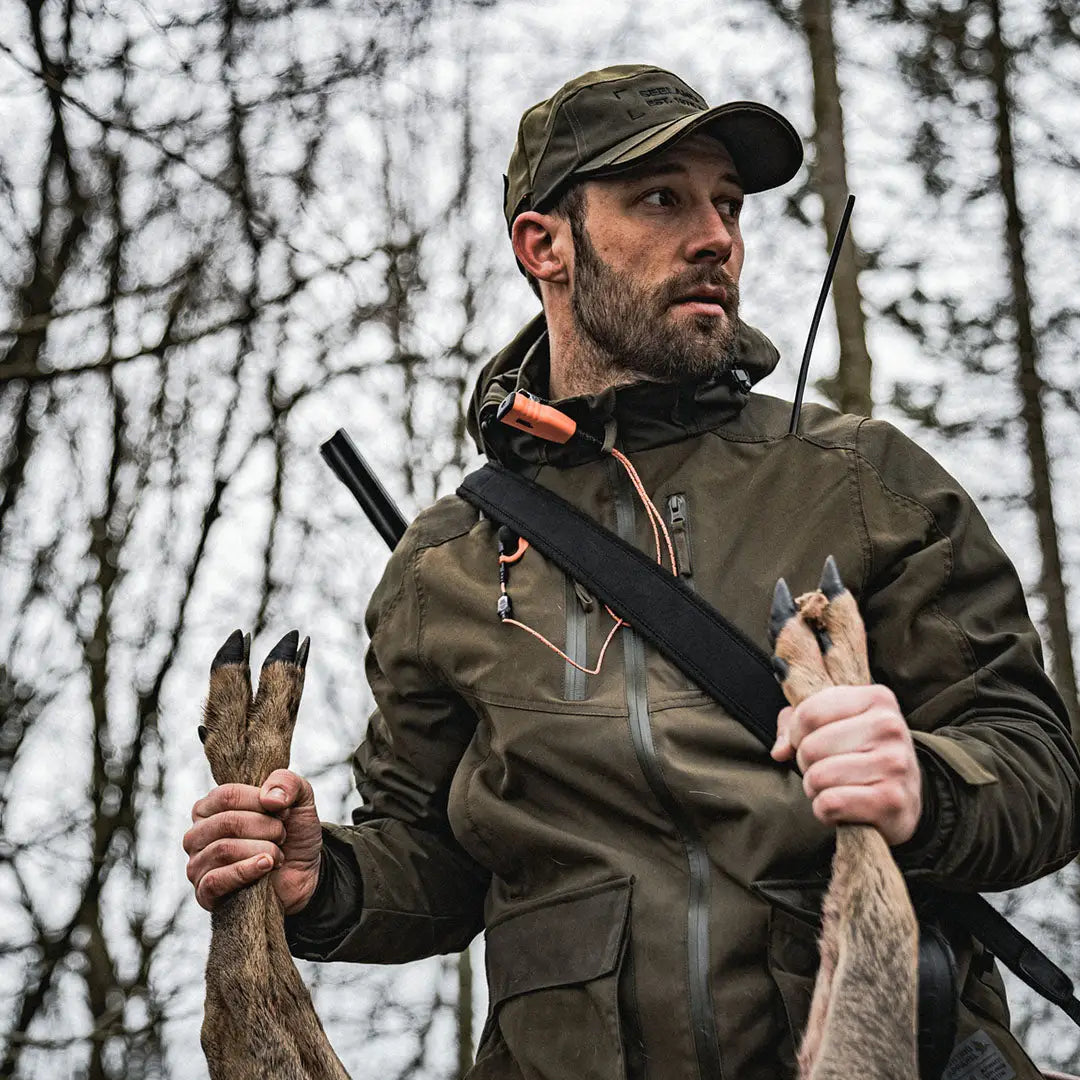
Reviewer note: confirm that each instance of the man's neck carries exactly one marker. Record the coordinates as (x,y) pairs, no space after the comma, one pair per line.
(577,368)
(585,374)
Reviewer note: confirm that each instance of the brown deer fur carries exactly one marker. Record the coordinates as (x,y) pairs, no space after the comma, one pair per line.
(259,1023)
(863,1014)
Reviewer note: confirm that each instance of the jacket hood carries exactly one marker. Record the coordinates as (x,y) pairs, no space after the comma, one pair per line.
(638,416)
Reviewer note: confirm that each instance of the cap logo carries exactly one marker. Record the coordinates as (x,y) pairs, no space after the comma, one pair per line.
(655,96)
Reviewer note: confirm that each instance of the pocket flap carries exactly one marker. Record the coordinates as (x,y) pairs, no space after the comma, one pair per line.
(800,898)
(570,938)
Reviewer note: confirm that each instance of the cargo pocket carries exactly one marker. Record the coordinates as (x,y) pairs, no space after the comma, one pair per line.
(793,964)
(553,974)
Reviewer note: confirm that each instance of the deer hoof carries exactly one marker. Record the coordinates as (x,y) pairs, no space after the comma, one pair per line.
(782,611)
(234,651)
(288,651)
(831,584)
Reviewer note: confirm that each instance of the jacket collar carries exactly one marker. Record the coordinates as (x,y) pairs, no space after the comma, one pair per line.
(639,416)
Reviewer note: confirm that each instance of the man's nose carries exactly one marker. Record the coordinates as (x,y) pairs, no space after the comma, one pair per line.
(712,240)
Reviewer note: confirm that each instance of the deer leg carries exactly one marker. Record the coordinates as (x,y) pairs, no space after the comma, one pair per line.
(842,626)
(800,667)
(862,1016)
(259,1021)
(272,716)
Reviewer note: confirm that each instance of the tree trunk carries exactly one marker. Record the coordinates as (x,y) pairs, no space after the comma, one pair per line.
(850,388)
(1030,384)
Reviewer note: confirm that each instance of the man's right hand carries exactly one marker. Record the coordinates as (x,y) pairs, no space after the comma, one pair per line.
(240,833)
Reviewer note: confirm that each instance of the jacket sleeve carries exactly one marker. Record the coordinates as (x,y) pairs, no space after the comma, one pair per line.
(948,631)
(396,885)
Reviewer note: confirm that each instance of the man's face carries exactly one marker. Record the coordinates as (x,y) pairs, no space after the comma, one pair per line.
(657,263)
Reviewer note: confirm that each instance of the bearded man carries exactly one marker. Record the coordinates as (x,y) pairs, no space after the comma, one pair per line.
(597,815)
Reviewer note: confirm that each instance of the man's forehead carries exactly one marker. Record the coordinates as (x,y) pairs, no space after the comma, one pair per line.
(693,150)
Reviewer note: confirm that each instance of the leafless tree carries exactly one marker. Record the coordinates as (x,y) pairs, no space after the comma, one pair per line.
(190,296)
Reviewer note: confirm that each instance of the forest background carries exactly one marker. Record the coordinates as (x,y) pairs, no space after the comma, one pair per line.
(228,227)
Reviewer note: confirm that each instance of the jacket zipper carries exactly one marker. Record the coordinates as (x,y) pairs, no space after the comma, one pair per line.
(679,520)
(702,1014)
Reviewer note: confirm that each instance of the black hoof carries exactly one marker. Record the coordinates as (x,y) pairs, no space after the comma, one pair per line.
(831,584)
(234,651)
(285,650)
(783,609)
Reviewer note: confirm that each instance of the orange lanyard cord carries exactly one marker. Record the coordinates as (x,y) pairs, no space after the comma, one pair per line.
(654,515)
(655,519)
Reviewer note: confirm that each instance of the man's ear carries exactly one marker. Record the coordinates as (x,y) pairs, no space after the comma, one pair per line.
(541,245)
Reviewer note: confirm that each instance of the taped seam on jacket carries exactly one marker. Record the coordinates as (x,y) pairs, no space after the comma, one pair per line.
(702,1013)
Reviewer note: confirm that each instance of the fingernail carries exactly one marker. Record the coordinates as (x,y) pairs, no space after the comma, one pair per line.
(276,793)
(264,862)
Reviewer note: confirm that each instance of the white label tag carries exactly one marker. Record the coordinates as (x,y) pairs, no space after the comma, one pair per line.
(977,1058)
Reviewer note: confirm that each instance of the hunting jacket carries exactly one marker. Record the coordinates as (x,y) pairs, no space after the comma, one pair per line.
(610,833)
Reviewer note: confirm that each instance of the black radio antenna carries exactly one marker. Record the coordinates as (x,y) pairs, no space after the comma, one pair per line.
(834,256)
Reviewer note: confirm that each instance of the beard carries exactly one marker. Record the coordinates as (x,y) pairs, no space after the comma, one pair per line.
(628,329)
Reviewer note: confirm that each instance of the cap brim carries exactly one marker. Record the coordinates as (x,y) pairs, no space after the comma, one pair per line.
(765,148)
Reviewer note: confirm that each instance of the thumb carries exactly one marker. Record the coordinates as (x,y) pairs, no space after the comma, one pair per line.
(283,789)
(782,749)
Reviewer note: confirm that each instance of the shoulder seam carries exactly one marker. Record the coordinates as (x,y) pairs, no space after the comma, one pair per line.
(420,544)
(820,444)
(424,545)
(427,540)
(866,543)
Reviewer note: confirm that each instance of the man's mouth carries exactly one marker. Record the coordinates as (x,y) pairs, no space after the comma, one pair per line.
(705,300)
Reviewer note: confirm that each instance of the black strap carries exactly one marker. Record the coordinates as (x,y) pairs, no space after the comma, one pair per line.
(1022,957)
(725,663)
(702,643)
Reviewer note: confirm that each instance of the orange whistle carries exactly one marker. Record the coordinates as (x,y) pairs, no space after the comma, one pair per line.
(524,412)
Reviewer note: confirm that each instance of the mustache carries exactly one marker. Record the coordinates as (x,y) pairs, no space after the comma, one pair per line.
(715,276)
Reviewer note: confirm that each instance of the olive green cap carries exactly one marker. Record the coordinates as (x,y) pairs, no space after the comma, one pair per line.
(607,120)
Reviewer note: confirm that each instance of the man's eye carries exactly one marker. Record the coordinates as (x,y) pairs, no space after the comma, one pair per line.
(660,197)
(729,208)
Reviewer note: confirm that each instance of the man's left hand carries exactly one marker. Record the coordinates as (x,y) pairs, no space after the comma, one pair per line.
(857,758)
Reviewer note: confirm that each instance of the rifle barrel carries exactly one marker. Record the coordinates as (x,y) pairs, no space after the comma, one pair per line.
(340,453)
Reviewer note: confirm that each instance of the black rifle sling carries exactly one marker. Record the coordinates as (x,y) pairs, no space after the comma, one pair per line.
(719,658)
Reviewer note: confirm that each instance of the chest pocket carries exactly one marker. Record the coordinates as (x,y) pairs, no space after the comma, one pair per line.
(553,641)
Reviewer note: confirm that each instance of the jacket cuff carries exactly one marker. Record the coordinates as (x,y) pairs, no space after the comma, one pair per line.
(334,908)
(937,823)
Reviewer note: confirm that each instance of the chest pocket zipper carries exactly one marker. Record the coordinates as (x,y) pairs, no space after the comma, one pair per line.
(679,520)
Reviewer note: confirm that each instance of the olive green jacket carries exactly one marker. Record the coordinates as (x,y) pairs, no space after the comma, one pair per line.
(606,832)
